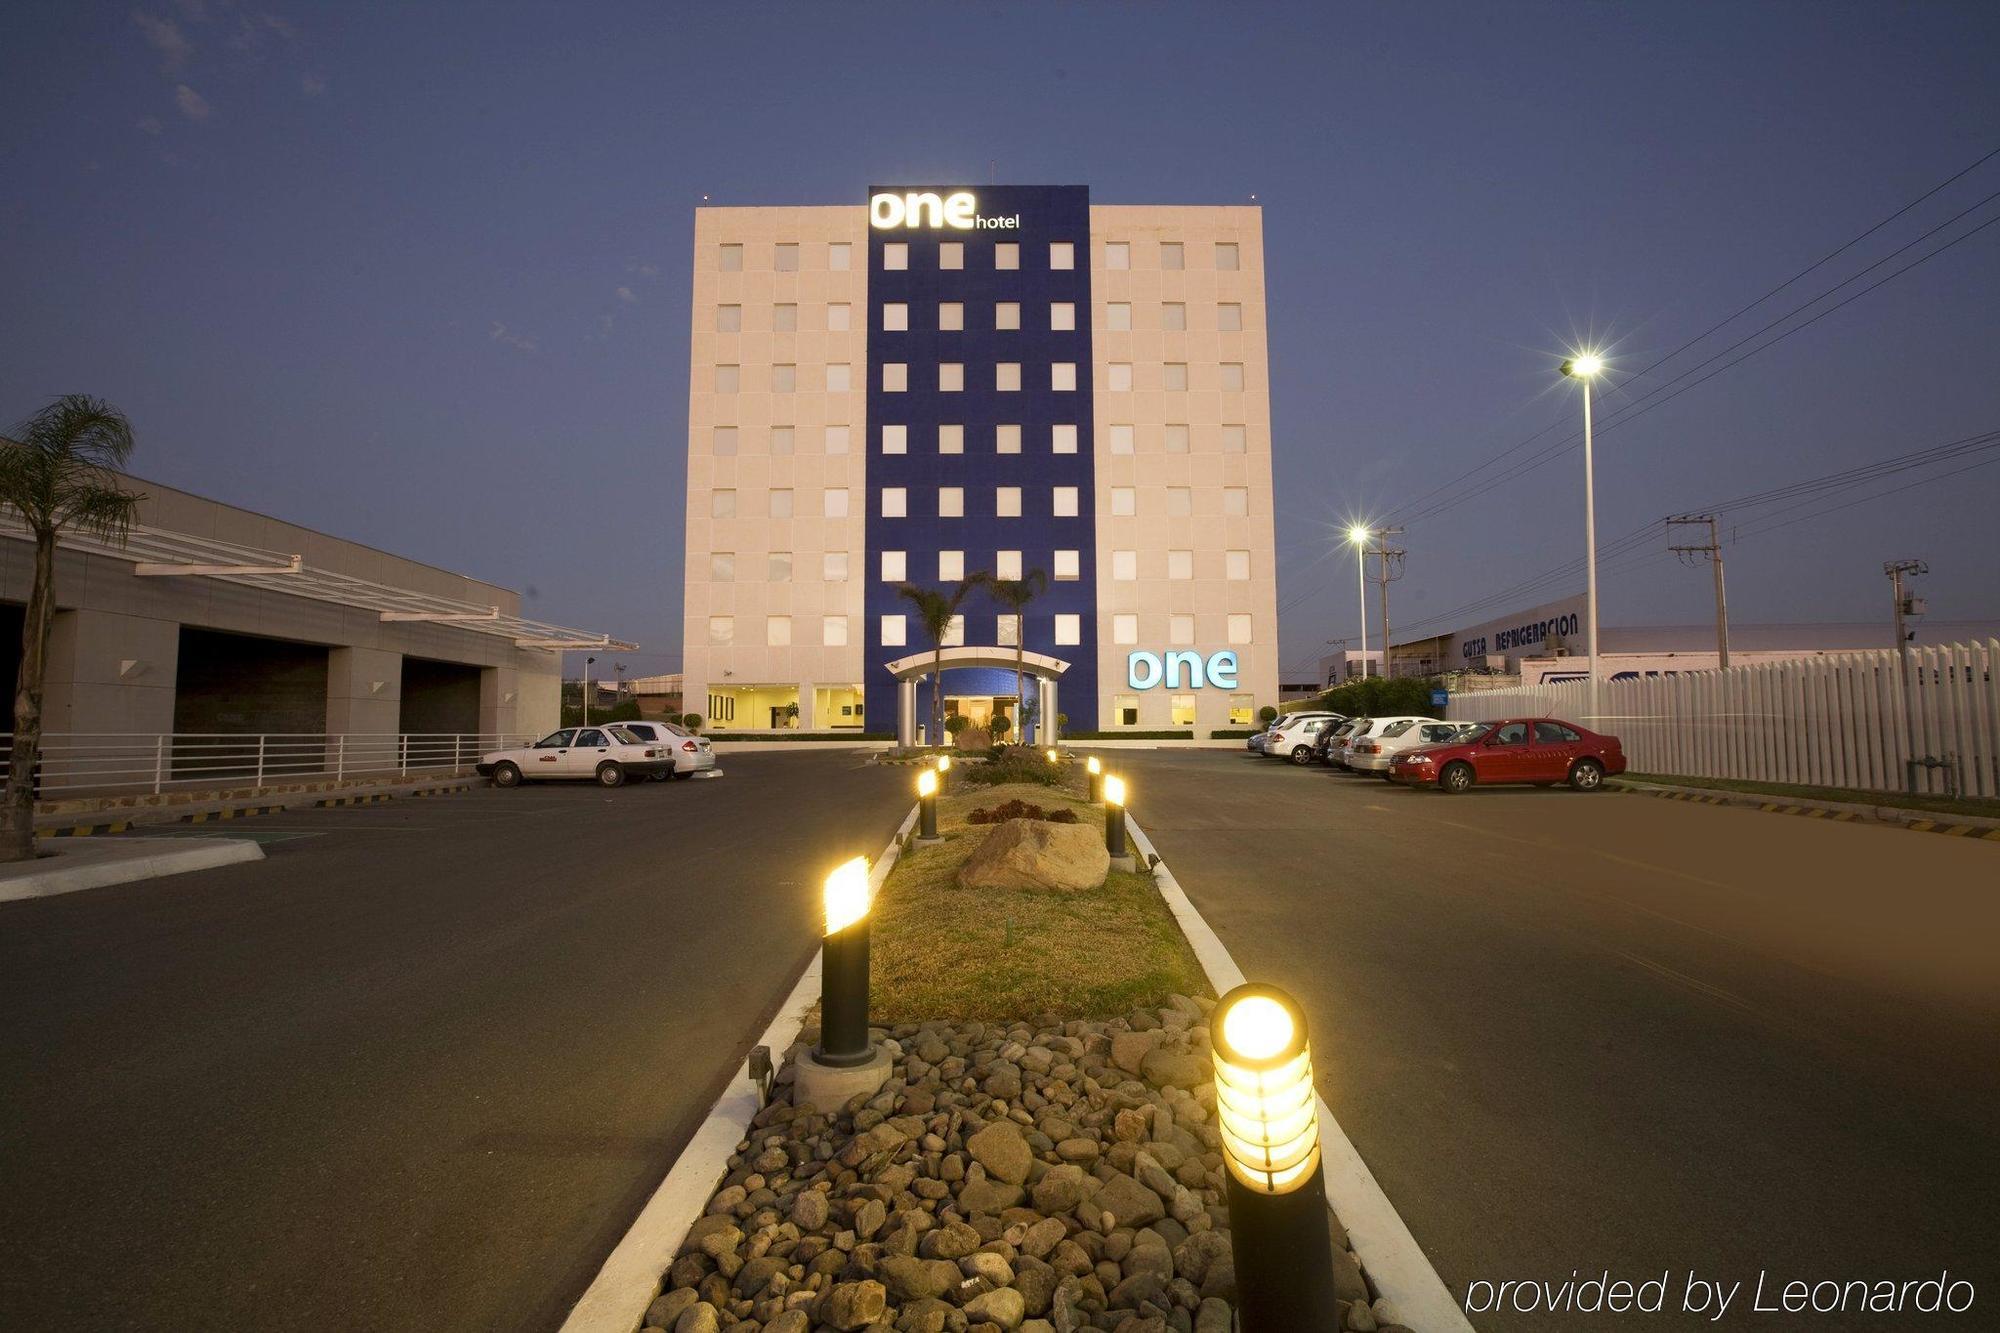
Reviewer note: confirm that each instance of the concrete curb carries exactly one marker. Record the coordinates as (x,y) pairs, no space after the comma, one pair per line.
(210,812)
(105,864)
(1387,1250)
(616,1300)
(1844,812)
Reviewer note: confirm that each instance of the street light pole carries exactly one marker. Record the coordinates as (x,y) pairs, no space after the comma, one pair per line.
(1359,536)
(1896,569)
(1713,551)
(588,663)
(1583,368)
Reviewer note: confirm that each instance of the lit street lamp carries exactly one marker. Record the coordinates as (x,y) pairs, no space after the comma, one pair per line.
(944,772)
(1583,368)
(843,978)
(1114,818)
(927,790)
(1359,536)
(1095,769)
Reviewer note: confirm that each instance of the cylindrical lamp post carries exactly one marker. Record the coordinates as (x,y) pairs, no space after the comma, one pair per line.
(927,790)
(843,978)
(1268,1118)
(1095,770)
(944,772)
(1114,815)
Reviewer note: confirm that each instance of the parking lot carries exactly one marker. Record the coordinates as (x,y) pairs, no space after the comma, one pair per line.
(418,1069)
(1598,1031)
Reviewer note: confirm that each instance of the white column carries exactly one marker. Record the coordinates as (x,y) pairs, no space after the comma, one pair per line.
(906,713)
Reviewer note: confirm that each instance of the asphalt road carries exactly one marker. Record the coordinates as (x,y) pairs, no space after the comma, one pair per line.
(420,1069)
(1611,1032)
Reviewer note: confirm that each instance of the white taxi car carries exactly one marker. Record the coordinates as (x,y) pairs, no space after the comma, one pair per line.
(692,754)
(596,753)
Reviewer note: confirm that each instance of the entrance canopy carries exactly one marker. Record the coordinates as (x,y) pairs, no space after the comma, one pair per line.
(921,664)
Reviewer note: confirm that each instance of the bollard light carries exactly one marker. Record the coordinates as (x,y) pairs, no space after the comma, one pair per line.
(1268,1117)
(1053,758)
(927,790)
(943,771)
(843,978)
(1095,769)
(1114,815)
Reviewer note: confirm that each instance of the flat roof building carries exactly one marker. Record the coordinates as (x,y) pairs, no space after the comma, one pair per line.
(945,382)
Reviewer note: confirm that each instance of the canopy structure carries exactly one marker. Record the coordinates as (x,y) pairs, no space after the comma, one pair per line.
(908,670)
(159,553)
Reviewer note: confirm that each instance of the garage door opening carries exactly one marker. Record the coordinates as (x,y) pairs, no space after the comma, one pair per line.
(240,685)
(13,619)
(439,698)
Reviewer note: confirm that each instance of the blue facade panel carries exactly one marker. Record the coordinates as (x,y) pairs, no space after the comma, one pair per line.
(1047,214)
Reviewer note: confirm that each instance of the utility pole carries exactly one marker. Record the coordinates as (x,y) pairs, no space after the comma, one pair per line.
(1391,568)
(1713,552)
(1906,606)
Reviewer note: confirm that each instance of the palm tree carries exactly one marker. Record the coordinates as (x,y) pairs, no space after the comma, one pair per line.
(935,609)
(57,473)
(1015,594)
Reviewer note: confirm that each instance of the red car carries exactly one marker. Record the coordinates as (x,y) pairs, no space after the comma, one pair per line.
(1538,750)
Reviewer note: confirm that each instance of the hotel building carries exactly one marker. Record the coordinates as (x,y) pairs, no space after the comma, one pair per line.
(998,380)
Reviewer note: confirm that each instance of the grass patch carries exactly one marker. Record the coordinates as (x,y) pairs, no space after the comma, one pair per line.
(941,952)
(1942,805)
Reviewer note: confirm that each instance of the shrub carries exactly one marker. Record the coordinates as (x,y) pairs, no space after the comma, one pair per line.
(1000,725)
(1183,735)
(1268,714)
(1016,766)
(692,721)
(1231,733)
(1379,696)
(1000,814)
(954,724)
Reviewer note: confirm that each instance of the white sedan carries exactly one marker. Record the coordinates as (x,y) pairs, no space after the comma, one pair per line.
(1371,751)
(597,753)
(692,754)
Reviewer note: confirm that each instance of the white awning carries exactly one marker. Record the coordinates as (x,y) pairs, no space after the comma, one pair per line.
(158,553)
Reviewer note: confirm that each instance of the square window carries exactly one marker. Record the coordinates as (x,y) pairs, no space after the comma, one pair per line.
(722,566)
(788,257)
(1117,254)
(781,503)
(839,256)
(722,629)
(1062,315)
(1180,502)
(833,631)
(1234,439)
(895,439)
(895,255)
(954,634)
(1121,439)
(1125,566)
(1069,630)
(1007,630)
(1119,376)
(1237,567)
(892,631)
(723,442)
(1069,565)
(1232,376)
(895,316)
(1235,501)
(1007,314)
(1177,377)
(1065,501)
(728,319)
(951,566)
(839,377)
(1177,437)
(895,567)
(777,631)
(730,259)
(951,377)
(836,439)
(1062,254)
(1062,439)
(1124,501)
(1241,708)
(951,439)
(895,377)
(1006,439)
(1118,316)
(781,440)
(1007,254)
(836,502)
(1062,376)
(1127,708)
(784,378)
(1124,629)
(1180,565)
(1227,257)
(1172,255)
(951,254)
(722,504)
(728,378)
(1229,317)
(1007,501)
(785,319)
(1180,630)
(951,502)
(951,315)
(840,317)
(1239,629)
(778,567)
(1173,316)
(1180,710)
(833,566)
(1007,377)
(895,502)
(1006,564)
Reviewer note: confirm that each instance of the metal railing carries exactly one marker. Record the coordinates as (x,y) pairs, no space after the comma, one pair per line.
(103,763)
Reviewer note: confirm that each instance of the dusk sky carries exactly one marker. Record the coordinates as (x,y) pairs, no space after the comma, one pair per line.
(419,275)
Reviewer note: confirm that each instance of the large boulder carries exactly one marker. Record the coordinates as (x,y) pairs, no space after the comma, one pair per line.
(1035,854)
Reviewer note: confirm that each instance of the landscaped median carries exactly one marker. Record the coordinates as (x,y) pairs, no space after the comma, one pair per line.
(1044,1155)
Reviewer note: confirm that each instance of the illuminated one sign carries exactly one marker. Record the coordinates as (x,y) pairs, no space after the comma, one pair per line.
(958,210)
(1144,671)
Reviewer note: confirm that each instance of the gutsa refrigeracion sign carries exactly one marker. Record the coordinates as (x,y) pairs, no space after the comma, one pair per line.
(958,210)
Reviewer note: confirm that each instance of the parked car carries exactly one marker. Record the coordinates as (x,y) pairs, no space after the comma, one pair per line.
(577,752)
(1293,736)
(1538,750)
(692,754)
(1333,748)
(1370,751)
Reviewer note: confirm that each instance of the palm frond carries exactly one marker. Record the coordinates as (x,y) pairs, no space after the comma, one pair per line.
(98,508)
(78,426)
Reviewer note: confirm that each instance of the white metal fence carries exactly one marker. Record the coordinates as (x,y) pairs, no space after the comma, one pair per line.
(1859,720)
(84,764)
